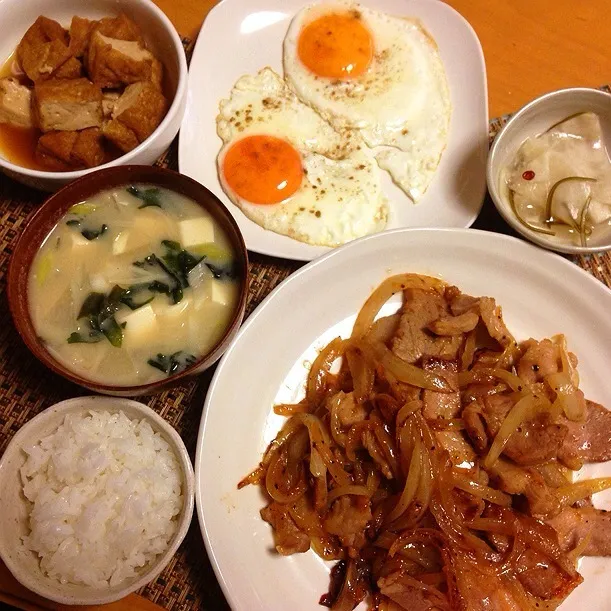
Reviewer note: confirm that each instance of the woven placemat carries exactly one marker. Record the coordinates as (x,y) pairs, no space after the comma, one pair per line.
(26,387)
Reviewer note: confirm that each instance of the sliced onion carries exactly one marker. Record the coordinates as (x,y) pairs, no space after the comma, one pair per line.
(411,483)
(523,410)
(379,354)
(483,375)
(344,490)
(319,371)
(384,292)
(199,275)
(479,490)
(568,495)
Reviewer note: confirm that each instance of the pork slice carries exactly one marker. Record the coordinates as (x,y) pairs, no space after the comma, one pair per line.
(288,539)
(536,441)
(492,317)
(349,411)
(588,441)
(348,519)
(15,103)
(574,525)
(459,449)
(459,302)
(480,588)
(413,340)
(474,426)
(517,480)
(441,404)
(543,578)
(370,443)
(539,360)
(454,325)
(409,597)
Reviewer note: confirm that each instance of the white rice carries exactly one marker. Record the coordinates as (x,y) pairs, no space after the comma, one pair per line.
(105,493)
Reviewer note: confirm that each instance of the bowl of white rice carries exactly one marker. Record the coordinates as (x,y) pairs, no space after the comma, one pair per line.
(97,495)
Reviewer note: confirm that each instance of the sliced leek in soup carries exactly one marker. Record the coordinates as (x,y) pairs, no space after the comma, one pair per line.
(133,285)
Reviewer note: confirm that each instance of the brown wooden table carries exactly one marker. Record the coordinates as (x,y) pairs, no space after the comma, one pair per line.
(531,46)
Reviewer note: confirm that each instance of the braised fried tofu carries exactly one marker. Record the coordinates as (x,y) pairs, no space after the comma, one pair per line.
(43,30)
(43,50)
(80,32)
(67,105)
(138,112)
(121,27)
(15,103)
(72,69)
(157,73)
(43,61)
(54,150)
(70,150)
(109,101)
(88,149)
(121,136)
(113,62)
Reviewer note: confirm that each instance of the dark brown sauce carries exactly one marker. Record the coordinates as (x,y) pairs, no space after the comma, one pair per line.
(17,144)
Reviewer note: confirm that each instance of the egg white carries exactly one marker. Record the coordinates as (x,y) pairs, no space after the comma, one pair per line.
(340,197)
(400,105)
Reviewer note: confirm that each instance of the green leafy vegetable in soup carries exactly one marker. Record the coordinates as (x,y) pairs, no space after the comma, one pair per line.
(132,285)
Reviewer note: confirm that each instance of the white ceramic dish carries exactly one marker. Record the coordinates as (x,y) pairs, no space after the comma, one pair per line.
(22,563)
(541,294)
(241,37)
(531,120)
(161,36)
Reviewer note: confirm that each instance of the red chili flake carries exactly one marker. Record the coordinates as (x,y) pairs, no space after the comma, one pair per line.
(528,175)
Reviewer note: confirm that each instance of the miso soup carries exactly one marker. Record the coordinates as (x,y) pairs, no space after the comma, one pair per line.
(133,285)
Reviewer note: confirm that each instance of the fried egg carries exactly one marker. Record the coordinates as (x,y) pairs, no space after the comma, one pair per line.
(289,171)
(378,74)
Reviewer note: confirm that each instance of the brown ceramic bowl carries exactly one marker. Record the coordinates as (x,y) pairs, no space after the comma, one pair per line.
(49,214)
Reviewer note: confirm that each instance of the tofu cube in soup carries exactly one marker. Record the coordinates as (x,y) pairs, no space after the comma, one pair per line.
(67,105)
(15,103)
(221,292)
(196,231)
(139,324)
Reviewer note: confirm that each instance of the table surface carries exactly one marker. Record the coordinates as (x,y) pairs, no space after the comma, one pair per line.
(530,46)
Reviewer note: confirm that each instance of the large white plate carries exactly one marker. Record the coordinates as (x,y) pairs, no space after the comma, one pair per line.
(541,294)
(242,36)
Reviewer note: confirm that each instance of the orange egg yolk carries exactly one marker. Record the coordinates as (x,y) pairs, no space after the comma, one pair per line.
(336,45)
(263,169)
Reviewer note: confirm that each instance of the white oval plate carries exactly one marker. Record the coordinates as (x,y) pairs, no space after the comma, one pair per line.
(242,36)
(541,294)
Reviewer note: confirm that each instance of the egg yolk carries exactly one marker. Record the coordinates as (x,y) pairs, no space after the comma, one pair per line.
(263,169)
(336,45)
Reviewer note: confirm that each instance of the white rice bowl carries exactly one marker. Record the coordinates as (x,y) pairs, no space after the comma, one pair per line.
(105,493)
(97,495)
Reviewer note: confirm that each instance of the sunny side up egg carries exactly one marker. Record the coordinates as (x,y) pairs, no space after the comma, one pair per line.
(291,172)
(378,74)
